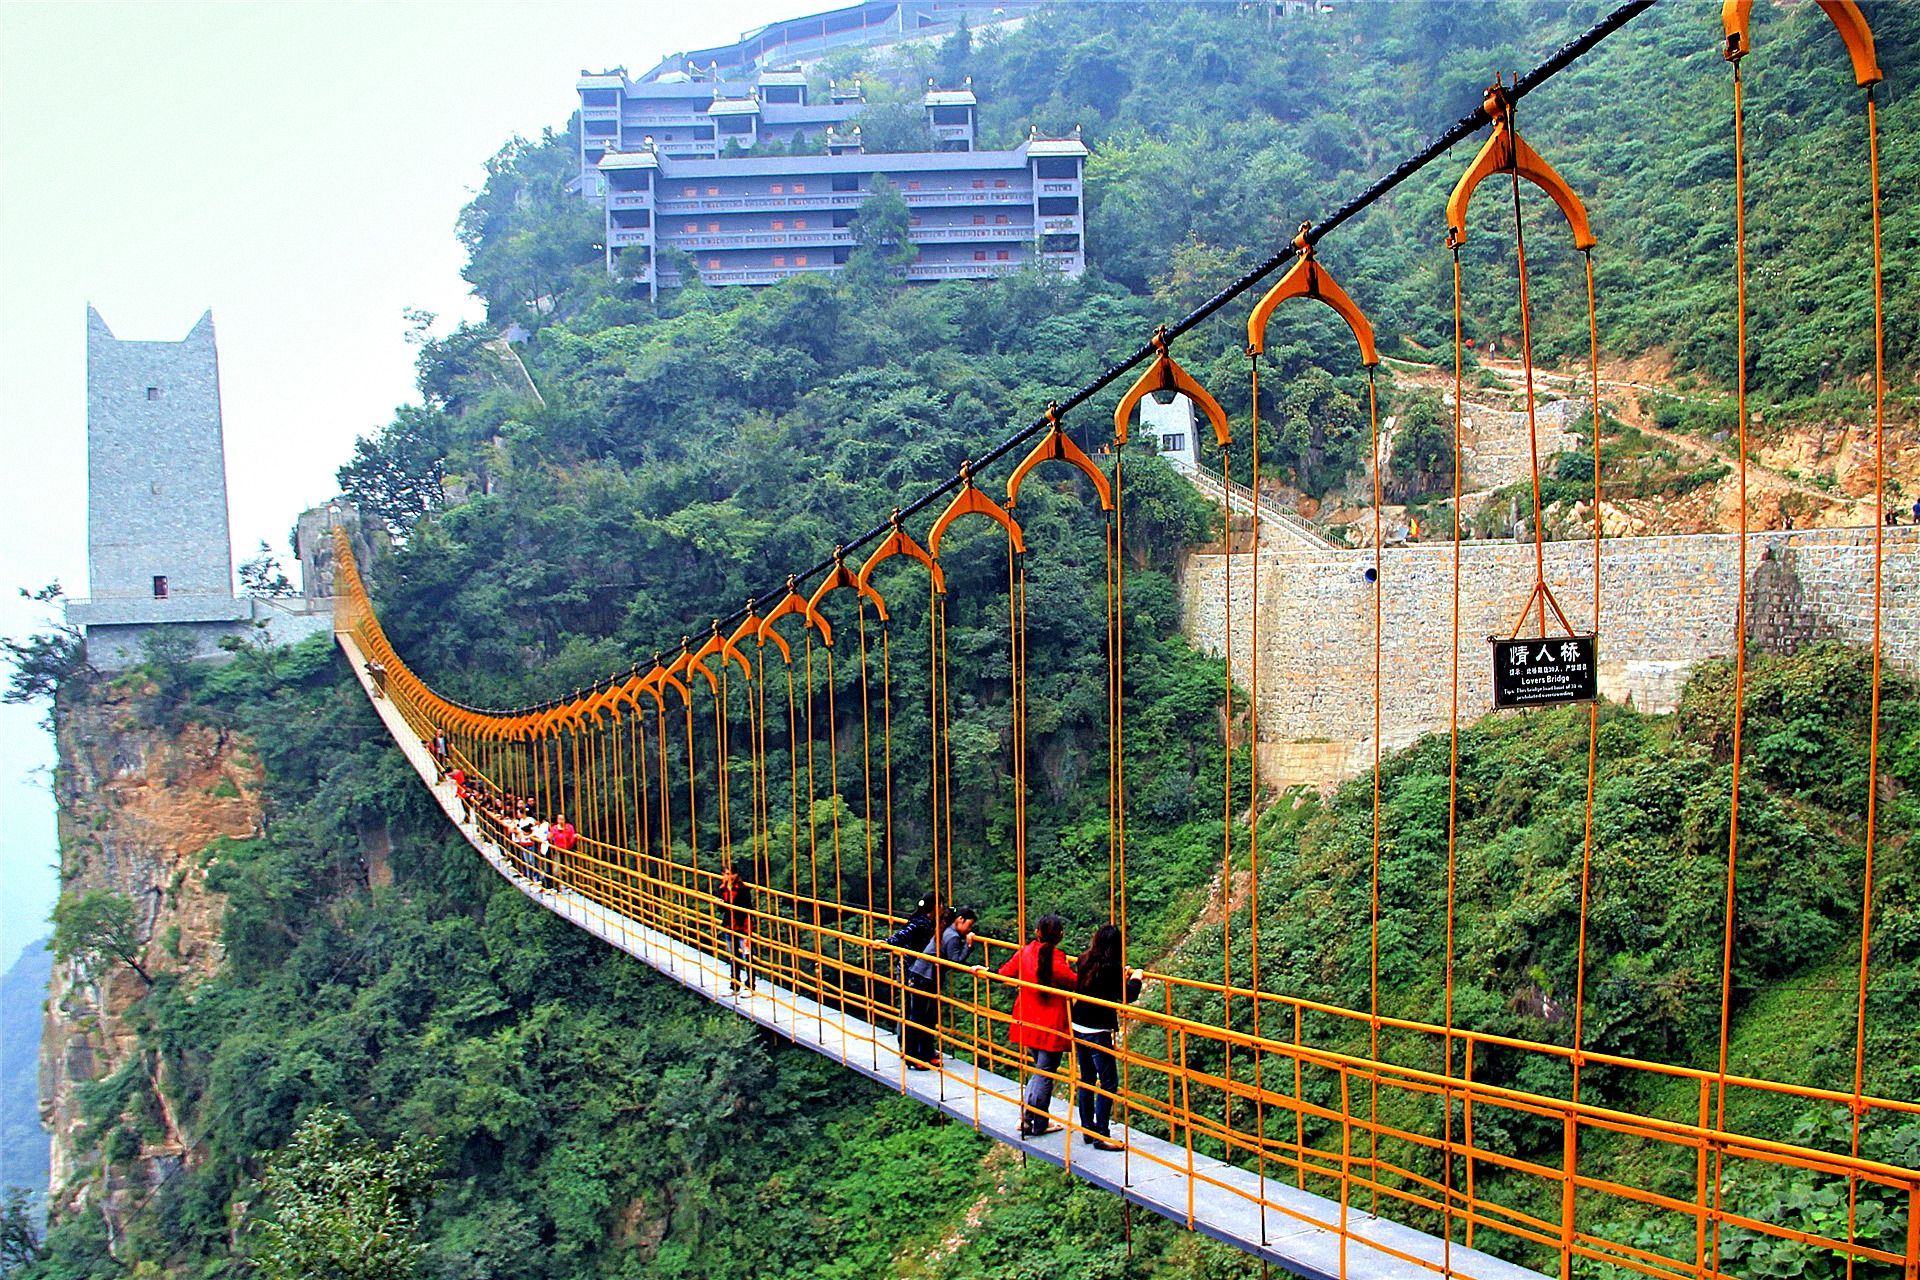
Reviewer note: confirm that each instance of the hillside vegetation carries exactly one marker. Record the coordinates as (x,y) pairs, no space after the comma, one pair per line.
(579,1117)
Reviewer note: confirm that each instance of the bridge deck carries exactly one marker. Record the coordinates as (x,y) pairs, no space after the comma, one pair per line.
(1294,1229)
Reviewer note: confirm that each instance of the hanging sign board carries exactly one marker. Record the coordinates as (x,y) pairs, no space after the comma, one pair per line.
(1546,672)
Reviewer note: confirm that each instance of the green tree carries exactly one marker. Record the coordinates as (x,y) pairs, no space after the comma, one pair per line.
(98,929)
(395,475)
(261,575)
(882,233)
(19,1237)
(339,1207)
(1423,448)
(43,662)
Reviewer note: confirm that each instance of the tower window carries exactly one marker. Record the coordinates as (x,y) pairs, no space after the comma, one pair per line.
(159,586)
(153,393)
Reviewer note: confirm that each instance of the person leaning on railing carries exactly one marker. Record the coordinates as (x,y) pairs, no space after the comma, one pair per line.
(1103,976)
(911,936)
(922,1041)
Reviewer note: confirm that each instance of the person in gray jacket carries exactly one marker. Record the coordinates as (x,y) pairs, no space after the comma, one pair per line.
(955,944)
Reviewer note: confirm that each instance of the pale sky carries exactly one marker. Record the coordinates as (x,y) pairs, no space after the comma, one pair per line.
(298,169)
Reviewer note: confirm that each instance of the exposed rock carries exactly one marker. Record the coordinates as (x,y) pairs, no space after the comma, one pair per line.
(141,809)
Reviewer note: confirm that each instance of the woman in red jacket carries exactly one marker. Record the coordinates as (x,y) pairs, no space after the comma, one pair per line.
(1040,1017)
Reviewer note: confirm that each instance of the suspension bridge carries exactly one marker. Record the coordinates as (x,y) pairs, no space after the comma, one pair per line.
(1333,1142)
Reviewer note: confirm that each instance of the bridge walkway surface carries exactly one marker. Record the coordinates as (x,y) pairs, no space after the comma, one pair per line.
(1303,1233)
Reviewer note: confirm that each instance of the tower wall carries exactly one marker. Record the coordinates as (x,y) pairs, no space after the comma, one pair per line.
(156,468)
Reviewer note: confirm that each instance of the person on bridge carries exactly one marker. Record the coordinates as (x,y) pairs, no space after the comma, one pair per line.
(438,748)
(462,794)
(736,926)
(1040,1018)
(561,836)
(542,833)
(922,1045)
(911,936)
(1100,969)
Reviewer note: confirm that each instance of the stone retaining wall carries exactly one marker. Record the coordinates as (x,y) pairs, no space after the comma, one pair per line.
(1666,604)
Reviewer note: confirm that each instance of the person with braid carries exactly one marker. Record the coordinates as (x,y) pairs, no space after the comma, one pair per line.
(1040,1018)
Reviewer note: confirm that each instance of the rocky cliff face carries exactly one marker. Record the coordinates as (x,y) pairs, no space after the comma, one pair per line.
(142,807)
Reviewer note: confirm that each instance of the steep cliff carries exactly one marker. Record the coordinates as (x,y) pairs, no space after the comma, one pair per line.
(144,801)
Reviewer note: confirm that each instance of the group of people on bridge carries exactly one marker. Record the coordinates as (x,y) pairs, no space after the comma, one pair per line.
(543,846)
(1061,1002)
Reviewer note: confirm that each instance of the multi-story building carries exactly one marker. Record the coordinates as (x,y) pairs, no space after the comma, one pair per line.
(654,154)
(760,219)
(698,118)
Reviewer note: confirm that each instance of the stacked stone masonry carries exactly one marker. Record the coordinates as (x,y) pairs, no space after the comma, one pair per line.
(1667,603)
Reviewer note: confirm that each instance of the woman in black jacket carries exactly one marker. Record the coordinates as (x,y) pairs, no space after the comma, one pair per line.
(1101,974)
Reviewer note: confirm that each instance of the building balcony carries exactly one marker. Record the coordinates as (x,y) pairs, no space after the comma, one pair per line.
(629,199)
(629,237)
(959,270)
(757,239)
(1012,195)
(1070,225)
(952,235)
(1059,188)
(952,132)
(600,113)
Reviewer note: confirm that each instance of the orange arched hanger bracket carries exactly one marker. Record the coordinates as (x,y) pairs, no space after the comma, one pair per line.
(670,674)
(1056,445)
(1306,278)
(748,628)
(650,685)
(897,543)
(792,602)
(841,576)
(628,691)
(1735,16)
(1165,374)
(1505,152)
(698,661)
(972,500)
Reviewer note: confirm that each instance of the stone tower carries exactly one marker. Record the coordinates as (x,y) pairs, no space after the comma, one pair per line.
(156,470)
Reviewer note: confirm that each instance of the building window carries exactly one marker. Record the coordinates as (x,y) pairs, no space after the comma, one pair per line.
(799,224)
(1000,220)
(669,137)
(779,225)
(693,228)
(1058,206)
(979,184)
(153,393)
(999,182)
(778,189)
(1000,255)
(1173,444)
(713,228)
(846,182)
(713,191)
(779,259)
(1058,167)
(800,260)
(913,220)
(979,255)
(159,586)
(799,188)
(913,186)
(693,191)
